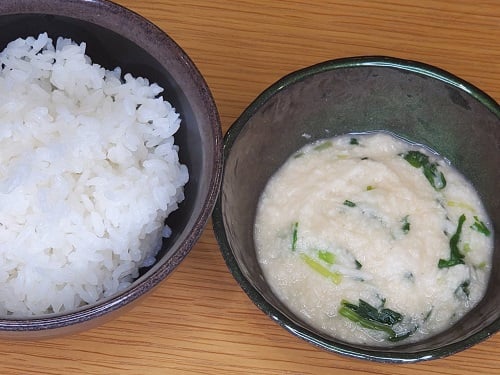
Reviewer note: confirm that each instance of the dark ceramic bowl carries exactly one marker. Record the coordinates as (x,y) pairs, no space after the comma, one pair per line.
(116,36)
(420,103)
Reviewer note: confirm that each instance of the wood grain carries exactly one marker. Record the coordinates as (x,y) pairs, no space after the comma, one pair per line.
(199,321)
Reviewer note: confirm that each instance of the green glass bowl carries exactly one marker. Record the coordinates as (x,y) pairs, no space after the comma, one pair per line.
(416,101)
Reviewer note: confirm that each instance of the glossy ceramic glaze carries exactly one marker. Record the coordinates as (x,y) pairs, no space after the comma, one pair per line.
(116,36)
(416,101)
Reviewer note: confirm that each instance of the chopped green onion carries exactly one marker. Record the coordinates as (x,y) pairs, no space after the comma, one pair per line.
(369,187)
(298,155)
(456,257)
(461,205)
(466,248)
(349,203)
(326,256)
(482,265)
(480,227)
(323,146)
(316,266)
(354,141)
(358,264)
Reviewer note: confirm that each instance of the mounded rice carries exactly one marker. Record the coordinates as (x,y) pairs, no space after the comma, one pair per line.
(88,173)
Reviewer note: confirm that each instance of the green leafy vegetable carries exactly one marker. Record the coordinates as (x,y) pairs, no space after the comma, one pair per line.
(409,276)
(295,228)
(322,270)
(405,227)
(428,315)
(370,317)
(416,158)
(326,256)
(384,315)
(354,141)
(350,312)
(323,146)
(349,203)
(456,257)
(463,289)
(435,177)
(480,227)
(420,160)
(404,335)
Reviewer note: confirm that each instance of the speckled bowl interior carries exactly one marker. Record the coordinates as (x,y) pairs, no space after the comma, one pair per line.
(115,37)
(416,101)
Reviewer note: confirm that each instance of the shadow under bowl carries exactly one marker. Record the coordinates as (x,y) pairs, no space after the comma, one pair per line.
(116,36)
(416,101)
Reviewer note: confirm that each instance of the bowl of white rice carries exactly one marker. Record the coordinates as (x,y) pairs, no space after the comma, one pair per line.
(367,225)
(110,165)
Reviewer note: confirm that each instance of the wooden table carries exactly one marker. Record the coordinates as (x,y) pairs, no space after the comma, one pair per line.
(199,321)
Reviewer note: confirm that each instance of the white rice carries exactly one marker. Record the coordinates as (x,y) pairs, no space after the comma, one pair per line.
(88,173)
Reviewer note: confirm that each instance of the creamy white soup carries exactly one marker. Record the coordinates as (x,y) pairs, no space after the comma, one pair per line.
(373,240)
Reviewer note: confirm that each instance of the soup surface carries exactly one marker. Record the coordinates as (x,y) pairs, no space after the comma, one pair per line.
(373,240)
